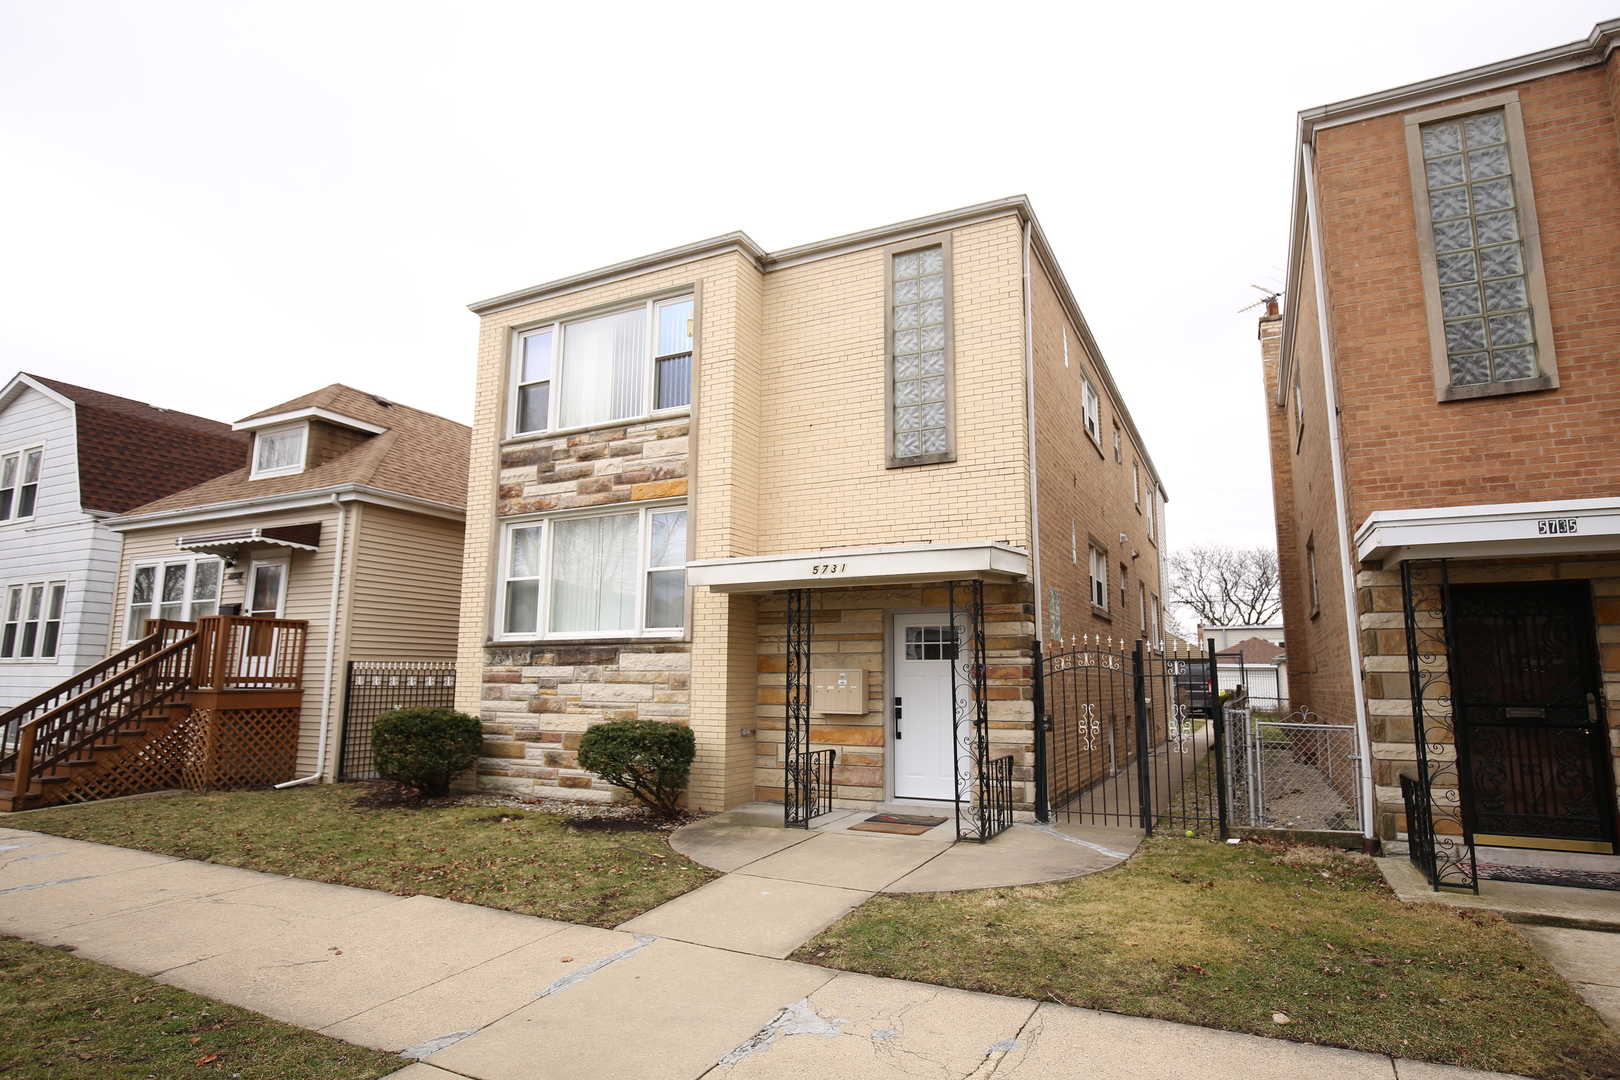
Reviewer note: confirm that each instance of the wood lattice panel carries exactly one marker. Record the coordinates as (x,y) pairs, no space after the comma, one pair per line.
(152,764)
(233,748)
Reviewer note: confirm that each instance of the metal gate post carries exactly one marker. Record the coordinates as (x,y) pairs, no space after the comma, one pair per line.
(1043,811)
(797,787)
(1144,776)
(1218,718)
(343,736)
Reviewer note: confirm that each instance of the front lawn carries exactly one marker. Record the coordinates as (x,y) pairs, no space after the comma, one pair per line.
(522,860)
(1302,943)
(76,1020)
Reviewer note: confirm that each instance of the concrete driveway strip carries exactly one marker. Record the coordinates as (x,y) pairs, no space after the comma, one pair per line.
(669,1012)
(857,1027)
(155,939)
(480,995)
(763,916)
(321,975)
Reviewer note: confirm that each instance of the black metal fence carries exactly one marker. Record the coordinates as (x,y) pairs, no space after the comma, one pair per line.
(811,784)
(378,686)
(1130,739)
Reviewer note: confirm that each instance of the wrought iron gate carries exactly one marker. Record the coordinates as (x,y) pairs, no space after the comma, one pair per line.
(1130,739)
(807,774)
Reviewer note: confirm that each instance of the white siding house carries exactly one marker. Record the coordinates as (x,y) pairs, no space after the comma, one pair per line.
(58,562)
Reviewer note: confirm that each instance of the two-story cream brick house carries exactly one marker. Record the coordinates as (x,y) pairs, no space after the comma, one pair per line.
(1442,395)
(686,464)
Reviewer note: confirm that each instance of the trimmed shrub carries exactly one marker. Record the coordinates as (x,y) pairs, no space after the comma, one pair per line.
(425,746)
(648,758)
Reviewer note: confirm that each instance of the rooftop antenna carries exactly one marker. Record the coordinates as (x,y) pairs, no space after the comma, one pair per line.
(1270,297)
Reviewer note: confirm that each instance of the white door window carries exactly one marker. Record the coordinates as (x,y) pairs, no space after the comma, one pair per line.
(923,647)
(267,590)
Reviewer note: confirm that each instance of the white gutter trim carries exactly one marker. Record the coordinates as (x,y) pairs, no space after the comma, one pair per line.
(292,500)
(309,412)
(1340,484)
(331,651)
(1029,387)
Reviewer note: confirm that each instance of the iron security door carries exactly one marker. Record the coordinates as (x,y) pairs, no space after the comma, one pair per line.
(923,647)
(1533,756)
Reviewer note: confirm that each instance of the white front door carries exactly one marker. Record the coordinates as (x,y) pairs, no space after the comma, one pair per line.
(922,648)
(267,589)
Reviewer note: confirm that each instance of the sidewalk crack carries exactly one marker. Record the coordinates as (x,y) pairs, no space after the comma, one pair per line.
(642,941)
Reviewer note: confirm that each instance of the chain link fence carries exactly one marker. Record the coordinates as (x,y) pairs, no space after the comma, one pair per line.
(1291,771)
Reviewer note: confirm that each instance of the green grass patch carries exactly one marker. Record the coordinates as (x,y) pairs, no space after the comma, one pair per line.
(1226,936)
(521,860)
(72,1019)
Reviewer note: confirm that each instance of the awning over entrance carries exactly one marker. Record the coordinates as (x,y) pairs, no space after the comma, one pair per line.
(889,564)
(1568,527)
(301,537)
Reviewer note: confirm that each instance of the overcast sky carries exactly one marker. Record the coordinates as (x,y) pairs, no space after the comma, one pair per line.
(218,206)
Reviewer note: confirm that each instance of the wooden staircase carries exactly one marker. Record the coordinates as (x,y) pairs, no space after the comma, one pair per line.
(50,744)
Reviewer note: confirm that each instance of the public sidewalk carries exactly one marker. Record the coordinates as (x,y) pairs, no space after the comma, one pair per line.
(693,989)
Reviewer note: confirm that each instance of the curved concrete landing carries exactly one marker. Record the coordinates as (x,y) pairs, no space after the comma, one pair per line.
(752,841)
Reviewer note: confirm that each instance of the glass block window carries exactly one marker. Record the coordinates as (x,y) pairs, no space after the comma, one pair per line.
(1478,250)
(919,353)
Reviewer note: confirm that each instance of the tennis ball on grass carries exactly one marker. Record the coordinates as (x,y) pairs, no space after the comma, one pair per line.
(1191,833)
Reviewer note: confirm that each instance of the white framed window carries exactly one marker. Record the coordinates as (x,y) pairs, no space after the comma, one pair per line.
(1310,567)
(1142,607)
(1099,579)
(33,620)
(1158,635)
(1074,541)
(1152,501)
(1090,410)
(1124,589)
(182,589)
(19,484)
(602,368)
(1119,447)
(1136,483)
(615,574)
(279,451)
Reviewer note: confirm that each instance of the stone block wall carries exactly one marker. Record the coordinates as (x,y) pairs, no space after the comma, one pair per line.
(1386,682)
(595,468)
(849,631)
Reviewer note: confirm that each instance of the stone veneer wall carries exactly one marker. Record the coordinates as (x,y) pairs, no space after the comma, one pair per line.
(848,631)
(538,698)
(1385,678)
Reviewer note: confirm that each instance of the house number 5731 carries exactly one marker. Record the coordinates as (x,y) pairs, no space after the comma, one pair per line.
(822,569)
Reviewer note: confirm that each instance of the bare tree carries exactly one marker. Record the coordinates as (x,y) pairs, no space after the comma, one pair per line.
(1224,585)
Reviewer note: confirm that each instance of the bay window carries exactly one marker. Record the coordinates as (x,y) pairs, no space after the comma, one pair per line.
(182,590)
(620,574)
(595,370)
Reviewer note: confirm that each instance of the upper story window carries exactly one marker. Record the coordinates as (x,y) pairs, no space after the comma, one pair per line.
(920,390)
(1152,500)
(1136,483)
(621,574)
(280,451)
(181,589)
(33,621)
(595,370)
(1090,410)
(1481,264)
(1099,579)
(1119,447)
(19,484)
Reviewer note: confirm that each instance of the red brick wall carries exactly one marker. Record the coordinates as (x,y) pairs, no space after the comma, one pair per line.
(1401,448)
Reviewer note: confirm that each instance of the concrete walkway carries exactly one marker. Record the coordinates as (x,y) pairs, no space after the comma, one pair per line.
(491,995)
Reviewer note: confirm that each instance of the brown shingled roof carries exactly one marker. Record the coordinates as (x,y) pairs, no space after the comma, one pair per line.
(421,455)
(131,452)
(1254,650)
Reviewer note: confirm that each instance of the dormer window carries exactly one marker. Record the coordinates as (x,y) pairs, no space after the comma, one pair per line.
(279,451)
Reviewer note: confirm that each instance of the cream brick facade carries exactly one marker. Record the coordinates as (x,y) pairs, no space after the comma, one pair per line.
(782,452)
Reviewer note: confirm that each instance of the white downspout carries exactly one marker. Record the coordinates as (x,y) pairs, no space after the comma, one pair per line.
(1029,383)
(331,651)
(1347,561)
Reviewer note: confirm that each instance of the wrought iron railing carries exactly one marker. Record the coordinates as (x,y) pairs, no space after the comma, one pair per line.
(379,686)
(995,809)
(810,787)
(1420,828)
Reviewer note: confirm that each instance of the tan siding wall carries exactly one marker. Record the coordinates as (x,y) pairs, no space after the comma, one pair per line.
(407,587)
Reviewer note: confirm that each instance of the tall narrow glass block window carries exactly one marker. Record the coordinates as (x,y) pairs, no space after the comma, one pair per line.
(673,359)
(918,353)
(534,383)
(1479,251)
(666,571)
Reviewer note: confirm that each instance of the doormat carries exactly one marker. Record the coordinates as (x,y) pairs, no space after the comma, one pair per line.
(904,824)
(1546,875)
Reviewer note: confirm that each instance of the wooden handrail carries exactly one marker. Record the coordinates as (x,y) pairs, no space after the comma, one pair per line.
(96,718)
(94,675)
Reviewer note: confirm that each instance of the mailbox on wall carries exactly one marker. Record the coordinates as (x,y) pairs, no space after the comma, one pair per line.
(841,691)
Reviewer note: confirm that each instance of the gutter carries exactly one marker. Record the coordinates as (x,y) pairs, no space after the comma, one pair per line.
(1340,485)
(1034,489)
(331,651)
(287,500)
